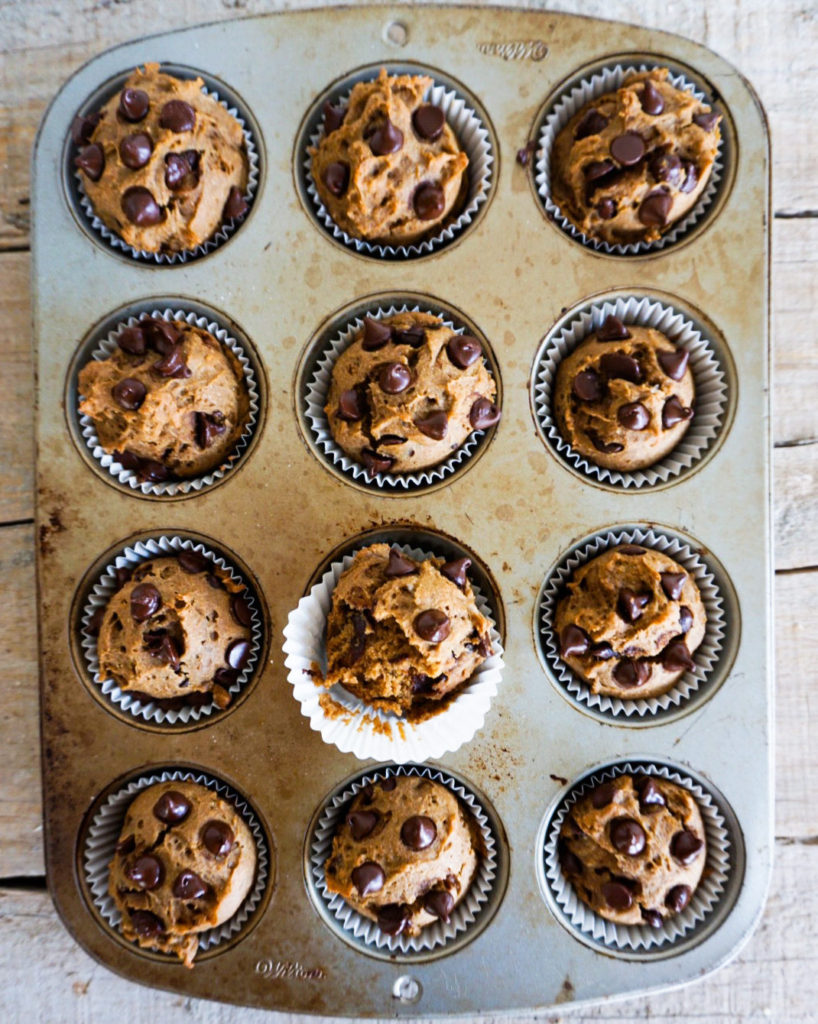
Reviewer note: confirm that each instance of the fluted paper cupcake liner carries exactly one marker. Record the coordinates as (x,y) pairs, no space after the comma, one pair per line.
(103,590)
(315,399)
(708,892)
(710,400)
(604,81)
(705,657)
(169,488)
(366,930)
(103,835)
(355,727)
(473,138)
(225,230)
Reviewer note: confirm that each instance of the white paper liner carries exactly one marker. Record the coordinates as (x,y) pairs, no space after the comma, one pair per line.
(710,385)
(106,586)
(225,230)
(641,937)
(604,81)
(474,140)
(705,657)
(169,488)
(103,835)
(316,398)
(363,730)
(363,928)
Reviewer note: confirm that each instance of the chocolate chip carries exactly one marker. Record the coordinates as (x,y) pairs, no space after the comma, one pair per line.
(414,336)
(620,366)
(617,895)
(606,447)
(429,201)
(707,120)
(456,571)
(633,416)
(602,795)
(421,683)
(387,138)
(691,176)
(398,565)
(95,622)
(574,642)
(375,462)
(418,832)
(147,872)
(208,426)
(666,167)
(428,121)
(145,602)
(676,657)
(463,350)
(217,837)
(606,209)
(591,124)
(394,378)
(612,329)
(241,610)
(376,335)
(627,836)
(685,846)
(126,845)
(651,99)
(587,386)
(133,104)
(173,364)
(334,115)
(569,862)
(146,924)
(655,208)
(132,340)
(135,150)
(163,334)
(651,797)
(678,898)
(388,784)
(630,549)
(82,127)
(602,651)
(685,618)
(226,677)
(631,605)
(526,152)
(368,878)
(162,647)
(91,161)
(336,178)
(122,575)
(434,425)
(629,673)
(652,917)
(393,918)
(674,412)
(362,823)
(672,584)
(598,169)
(439,903)
(177,172)
(171,807)
(177,116)
(350,406)
(141,208)
(628,149)
(358,643)
(192,561)
(432,625)
(386,440)
(238,654)
(188,886)
(235,205)
(484,414)
(674,363)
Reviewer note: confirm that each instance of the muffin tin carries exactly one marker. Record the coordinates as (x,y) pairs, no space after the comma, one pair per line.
(282,514)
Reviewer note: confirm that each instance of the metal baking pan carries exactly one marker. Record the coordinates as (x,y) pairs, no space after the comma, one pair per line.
(282,512)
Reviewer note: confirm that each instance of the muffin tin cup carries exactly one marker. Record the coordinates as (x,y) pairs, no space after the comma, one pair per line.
(355,727)
(104,589)
(706,656)
(103,834)
(473,138)
(710,401)
(366,931)
(609,79)
(579,917)
(315,399)
(173,488)
(224,232)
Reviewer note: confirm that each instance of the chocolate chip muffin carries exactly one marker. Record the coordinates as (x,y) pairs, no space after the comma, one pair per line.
(388,167)
(184,863)
(407,392)
(170,402)
(163,164)
(634,849)
(177,631)
(624,397)
(631,163)
(405,854)
(629,622)
(402,634)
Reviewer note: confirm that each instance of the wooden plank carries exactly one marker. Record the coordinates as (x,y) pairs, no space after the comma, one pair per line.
(796,506)
(41,43)
(16,390)
(774,978)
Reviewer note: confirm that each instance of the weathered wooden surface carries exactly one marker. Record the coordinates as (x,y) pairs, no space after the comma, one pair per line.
(776,977)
